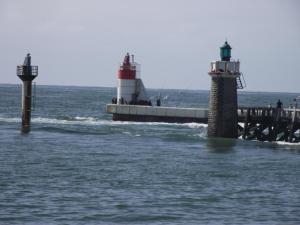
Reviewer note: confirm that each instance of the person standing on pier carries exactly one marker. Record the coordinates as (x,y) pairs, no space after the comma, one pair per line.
(158,100)
(278,109)
(295,103)
(279,104)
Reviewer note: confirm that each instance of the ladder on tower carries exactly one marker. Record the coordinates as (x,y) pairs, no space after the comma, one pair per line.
(240,83)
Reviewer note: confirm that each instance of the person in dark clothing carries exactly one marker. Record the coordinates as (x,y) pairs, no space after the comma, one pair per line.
(158,102)
(279,104)
(295,103)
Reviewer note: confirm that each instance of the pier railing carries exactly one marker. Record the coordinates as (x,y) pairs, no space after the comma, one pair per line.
(270,124)
(27,70)
(262,112)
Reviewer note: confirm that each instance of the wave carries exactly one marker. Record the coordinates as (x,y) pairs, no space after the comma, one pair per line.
(283,143)
(94,125)
(79,120)
(287,143)
(10,120)
(70,121)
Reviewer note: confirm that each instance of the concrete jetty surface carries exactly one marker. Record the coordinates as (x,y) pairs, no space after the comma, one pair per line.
(157,114)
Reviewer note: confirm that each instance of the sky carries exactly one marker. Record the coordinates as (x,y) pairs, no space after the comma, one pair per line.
(81,42)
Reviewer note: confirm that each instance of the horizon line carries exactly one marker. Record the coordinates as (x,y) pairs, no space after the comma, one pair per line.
(93,86)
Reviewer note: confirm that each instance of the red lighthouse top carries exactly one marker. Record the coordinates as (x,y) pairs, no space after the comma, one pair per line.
(127,70)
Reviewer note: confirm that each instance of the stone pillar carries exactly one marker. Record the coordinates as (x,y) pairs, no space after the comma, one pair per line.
(222,114)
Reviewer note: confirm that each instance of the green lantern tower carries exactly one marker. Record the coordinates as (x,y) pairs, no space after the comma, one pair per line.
(222,114)
(225,52)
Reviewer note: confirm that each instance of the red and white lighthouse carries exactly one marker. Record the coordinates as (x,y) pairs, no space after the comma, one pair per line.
(130,87)
(126,81)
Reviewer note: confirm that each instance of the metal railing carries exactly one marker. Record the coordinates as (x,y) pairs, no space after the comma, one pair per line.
(27,70)
(266,111)
(232,67)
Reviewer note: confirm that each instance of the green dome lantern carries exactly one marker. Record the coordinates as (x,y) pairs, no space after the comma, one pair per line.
(225,52)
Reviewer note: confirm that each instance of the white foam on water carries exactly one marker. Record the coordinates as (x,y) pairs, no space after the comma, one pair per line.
(85,118)
(201,134)
(75,121)
(195,125)
(10,120)
(287,143)
(190,125)
(78,120)
(273,142)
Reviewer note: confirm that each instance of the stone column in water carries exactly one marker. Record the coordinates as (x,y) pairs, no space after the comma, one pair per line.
(225,79)
(26,73)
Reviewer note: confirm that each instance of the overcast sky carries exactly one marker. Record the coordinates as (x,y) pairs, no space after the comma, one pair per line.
(81,42)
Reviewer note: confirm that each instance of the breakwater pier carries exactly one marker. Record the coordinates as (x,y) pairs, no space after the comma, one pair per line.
(254,123)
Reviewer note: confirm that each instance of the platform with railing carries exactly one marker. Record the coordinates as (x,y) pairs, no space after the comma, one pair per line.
(27,72)
(228,69)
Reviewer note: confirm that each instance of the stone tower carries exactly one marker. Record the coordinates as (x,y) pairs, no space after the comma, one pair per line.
(225,80)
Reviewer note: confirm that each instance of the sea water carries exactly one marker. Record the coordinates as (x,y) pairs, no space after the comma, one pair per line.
(77,166)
